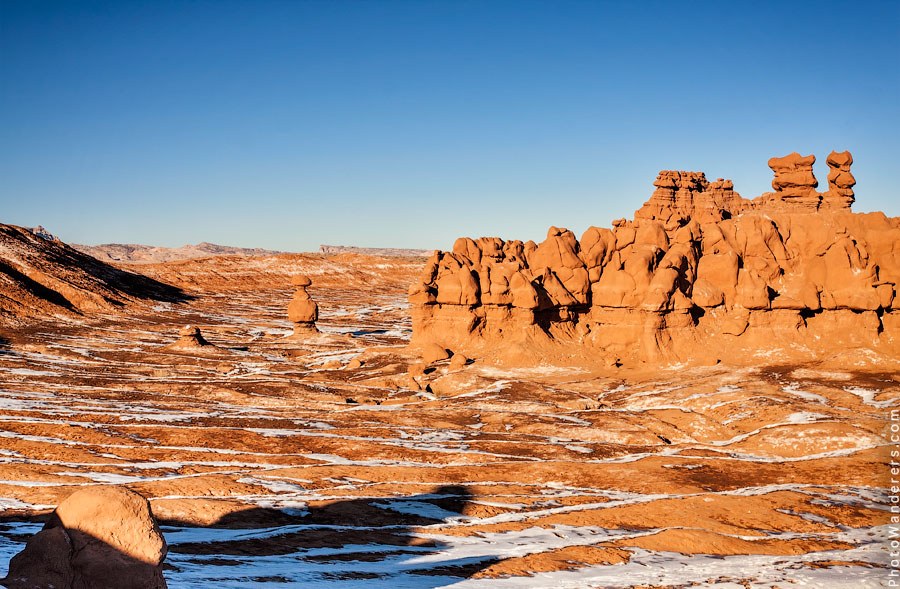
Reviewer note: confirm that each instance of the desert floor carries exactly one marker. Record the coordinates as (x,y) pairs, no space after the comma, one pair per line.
(271,460)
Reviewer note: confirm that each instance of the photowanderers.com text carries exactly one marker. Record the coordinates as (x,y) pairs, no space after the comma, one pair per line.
(894,528)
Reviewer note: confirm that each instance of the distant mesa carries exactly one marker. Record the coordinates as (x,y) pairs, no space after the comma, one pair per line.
(700,274)
(100,536)
(374,251)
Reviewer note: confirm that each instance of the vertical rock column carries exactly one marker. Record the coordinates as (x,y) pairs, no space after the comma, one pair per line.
(302,310)
(840,181)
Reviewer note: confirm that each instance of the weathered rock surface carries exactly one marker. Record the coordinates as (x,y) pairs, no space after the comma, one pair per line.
(699,274)
(98,537)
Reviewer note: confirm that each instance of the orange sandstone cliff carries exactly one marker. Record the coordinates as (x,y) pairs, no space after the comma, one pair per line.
(701,274)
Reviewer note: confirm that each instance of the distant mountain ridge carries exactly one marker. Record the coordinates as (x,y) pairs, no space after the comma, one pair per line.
(132,253)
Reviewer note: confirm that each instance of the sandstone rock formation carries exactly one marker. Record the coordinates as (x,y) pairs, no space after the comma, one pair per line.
(302,310)
(190,338)
(98,537)
(41,232)
(795,185)
(700,273)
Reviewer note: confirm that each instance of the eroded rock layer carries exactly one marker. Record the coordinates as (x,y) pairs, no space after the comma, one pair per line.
(699,274)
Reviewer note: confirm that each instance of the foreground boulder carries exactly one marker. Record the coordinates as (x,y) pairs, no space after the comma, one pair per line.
(98,537)
(699,274)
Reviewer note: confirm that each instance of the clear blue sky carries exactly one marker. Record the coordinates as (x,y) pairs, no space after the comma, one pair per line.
(285,125)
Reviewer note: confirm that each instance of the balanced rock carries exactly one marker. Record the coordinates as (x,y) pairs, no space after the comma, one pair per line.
(699,269)
(302,310)
(98,537)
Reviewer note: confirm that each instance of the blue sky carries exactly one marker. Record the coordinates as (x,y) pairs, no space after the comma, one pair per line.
(286,125)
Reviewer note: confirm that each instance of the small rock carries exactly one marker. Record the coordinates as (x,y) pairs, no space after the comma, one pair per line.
(458,361)
(433,352)
(225,368)
(190,338)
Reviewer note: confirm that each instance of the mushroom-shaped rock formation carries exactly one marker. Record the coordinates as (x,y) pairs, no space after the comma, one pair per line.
(302,310)
(190,338)
(700,274)
(103,536)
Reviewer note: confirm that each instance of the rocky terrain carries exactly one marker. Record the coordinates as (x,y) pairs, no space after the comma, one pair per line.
(310,420)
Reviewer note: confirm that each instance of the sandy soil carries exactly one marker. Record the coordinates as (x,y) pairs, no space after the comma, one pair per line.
(272,460)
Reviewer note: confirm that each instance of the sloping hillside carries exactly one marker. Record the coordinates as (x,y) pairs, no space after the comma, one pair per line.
(42,278)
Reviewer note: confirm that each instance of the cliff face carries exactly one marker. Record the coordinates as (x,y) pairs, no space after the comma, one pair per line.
(700,274)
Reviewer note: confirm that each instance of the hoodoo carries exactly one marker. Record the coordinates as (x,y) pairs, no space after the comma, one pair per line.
(302,310)
(700,274)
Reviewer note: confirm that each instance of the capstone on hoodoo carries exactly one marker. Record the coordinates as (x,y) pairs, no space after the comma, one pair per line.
(700,273)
